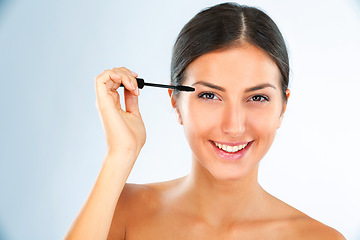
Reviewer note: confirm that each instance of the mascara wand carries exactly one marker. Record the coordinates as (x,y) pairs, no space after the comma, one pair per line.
(141,83)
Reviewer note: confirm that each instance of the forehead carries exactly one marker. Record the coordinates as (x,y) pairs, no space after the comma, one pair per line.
(246,65)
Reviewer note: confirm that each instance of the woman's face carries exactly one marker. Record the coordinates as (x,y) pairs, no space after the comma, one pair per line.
(231,119)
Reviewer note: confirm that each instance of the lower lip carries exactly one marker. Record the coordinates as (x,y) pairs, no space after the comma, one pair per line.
(231,156)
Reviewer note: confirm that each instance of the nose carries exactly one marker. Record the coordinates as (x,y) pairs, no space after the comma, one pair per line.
(233,121)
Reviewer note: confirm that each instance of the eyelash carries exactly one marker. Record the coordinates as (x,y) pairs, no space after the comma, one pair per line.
(202,95)
(264,98)
(211,96)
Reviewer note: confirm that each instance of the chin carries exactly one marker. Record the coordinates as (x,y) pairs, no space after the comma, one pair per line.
(230,175)
(226,169)
(235,171)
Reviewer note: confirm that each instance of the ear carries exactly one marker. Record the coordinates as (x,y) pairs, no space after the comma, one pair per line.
(174,105)
(284,107)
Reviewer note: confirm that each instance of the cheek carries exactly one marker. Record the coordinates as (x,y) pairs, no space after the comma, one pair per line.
(264,123)
(201,123)
(197,119)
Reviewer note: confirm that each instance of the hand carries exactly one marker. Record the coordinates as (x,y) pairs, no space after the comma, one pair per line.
(124,129)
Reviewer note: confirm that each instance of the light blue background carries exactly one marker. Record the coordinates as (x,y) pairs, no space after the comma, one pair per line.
(52,143)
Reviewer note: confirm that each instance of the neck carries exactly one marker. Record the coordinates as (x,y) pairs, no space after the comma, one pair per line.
(222,201)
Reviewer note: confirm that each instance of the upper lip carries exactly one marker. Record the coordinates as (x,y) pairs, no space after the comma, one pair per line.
(232,143)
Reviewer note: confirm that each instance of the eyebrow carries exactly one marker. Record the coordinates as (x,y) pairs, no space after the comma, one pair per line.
(255,88)
(260,86)
(206,84)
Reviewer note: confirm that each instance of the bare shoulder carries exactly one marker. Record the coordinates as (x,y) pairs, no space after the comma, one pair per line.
(137,203)
(144,198)
(309,228)
(135,193)
(298,225)
(302,226)
(125,206)
(144,192)
(137,198)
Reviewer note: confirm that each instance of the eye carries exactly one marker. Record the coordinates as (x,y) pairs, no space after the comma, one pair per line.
(208,96)
(259,98)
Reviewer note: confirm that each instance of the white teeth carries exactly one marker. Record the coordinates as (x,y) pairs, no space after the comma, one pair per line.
(231,149)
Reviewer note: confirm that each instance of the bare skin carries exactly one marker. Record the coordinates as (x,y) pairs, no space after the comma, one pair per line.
(221,197)
(170,211)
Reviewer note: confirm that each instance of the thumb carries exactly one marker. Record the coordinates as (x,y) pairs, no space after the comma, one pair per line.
(131,103)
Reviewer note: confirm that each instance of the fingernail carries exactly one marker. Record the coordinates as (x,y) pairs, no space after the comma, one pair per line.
(132,85)
(137,92)
(134,73)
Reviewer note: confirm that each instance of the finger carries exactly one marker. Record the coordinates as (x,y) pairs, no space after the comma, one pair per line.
(134,82)
(109,85)
(131,76)
(115,77)
(116,86)
(125,70)
(116,99)
(131,103)
(106,80)
(101,89)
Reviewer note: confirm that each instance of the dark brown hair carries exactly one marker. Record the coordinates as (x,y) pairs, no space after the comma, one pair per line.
(224,26)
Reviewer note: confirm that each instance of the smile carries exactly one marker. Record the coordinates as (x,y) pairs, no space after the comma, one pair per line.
(230,149)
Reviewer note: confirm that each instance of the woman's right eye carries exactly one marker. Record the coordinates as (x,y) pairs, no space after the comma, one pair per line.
(208,96)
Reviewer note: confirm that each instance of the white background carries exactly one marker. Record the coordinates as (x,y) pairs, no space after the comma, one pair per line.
(52,142)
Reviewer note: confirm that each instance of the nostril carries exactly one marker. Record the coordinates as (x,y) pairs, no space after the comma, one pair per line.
(234,132)
(233,122)
(233,128)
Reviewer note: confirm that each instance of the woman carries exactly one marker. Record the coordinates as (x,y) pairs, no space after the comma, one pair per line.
(236,59)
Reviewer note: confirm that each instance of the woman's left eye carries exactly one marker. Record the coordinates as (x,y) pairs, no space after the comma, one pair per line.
(259,98)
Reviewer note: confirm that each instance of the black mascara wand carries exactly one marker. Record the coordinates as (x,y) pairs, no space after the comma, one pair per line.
(141,83)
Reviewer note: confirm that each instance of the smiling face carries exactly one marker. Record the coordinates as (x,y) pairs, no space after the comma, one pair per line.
(231,119)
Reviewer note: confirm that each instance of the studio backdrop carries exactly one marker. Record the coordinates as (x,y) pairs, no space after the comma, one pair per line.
(52,141)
